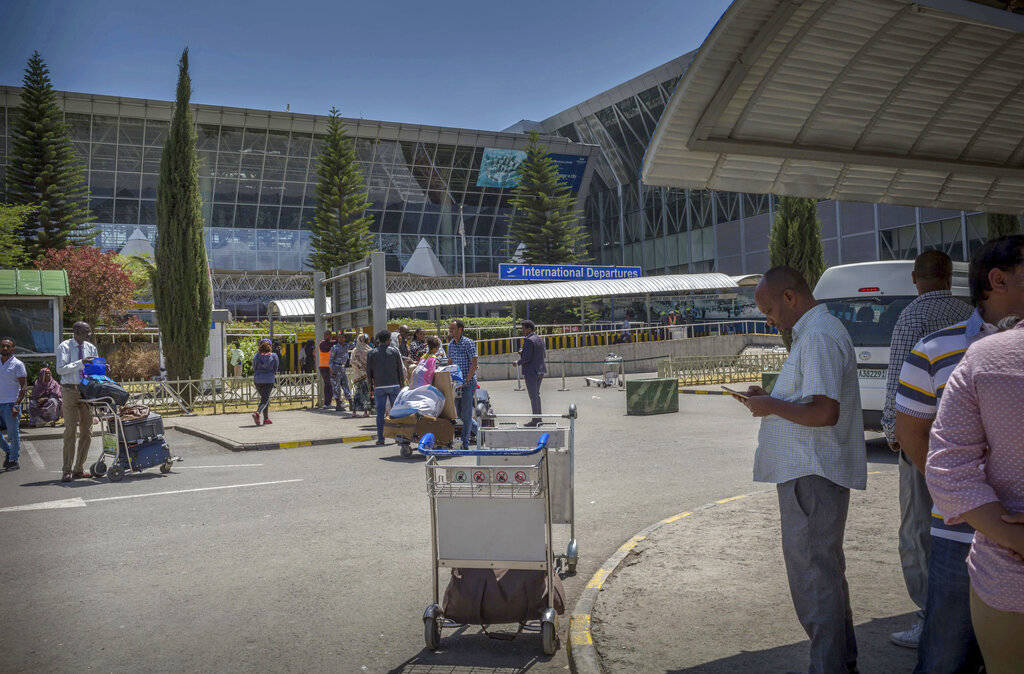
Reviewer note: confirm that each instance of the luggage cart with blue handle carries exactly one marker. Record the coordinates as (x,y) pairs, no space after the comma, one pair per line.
(490,517)
(129,446)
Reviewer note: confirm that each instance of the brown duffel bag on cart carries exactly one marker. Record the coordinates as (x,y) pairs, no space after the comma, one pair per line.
(497,596)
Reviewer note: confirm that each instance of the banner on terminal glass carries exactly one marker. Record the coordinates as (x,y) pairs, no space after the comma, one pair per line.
(500,168)
(563,272)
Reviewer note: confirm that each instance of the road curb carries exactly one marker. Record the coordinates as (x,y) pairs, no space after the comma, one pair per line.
(701,392)
(583,656)
(261,446)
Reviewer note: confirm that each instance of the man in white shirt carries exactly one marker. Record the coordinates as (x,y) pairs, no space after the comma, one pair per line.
(72,355)
(13,385)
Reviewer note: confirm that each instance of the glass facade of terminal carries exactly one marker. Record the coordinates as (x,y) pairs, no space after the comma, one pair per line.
(258,183)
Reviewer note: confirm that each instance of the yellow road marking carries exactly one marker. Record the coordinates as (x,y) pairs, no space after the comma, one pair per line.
(631,543)
(675,518)
(286,445)
(579,630)
(357,438)
(731,498)
(598,579)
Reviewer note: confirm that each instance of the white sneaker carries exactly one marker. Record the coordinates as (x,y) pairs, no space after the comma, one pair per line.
(910,638)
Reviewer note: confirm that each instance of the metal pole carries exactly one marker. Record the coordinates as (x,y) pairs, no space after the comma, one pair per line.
(462,233)
(519,382)
(564,387)
(319,322)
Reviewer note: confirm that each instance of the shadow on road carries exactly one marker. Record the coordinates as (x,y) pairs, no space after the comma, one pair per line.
(879,452)
(876,653)
(92,481)
(468,649)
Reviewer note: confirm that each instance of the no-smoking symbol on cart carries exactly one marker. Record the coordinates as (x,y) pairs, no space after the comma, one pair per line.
(520,476)
(479,476)
(461,476)
(501,476)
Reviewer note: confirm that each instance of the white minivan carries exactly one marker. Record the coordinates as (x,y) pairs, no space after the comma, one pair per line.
(868,298)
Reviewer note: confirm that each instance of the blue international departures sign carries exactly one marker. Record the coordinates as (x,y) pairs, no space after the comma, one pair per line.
(563,272)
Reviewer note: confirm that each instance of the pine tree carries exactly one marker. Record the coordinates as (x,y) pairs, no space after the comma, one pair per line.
(44,169)
(796,242)
(181,284)
(340,227)
(1001,224)
(545,218)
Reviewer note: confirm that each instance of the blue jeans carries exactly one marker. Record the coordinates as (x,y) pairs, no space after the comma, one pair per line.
(948,644)
(382,395)
(466,410)
(12,443)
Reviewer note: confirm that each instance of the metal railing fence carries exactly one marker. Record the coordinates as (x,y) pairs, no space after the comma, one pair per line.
(220,395)
(692,370)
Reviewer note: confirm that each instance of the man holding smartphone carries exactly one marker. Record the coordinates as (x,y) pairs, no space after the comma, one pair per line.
(811,445)
(72,356)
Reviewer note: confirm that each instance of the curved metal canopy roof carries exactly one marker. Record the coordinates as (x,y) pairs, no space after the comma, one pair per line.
(649,285)
(891,101)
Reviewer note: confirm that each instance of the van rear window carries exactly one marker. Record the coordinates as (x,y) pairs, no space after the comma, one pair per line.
(869,320)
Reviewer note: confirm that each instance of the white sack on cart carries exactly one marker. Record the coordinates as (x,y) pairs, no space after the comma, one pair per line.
(426,400)
(455,372)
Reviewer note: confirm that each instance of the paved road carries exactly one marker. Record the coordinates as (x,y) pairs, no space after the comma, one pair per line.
(312,558)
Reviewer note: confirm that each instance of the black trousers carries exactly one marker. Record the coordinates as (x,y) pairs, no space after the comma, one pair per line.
(264,391)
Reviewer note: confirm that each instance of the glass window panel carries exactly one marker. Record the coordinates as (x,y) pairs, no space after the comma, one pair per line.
(270,192)
(273,175)
(102,157)
(245,216)
(392,222)
(274,162)
(126,212)
(255,140)
(317,146)
(223,215)
(289,218)
(129,158)
(248,191)
(230,139)
(79,125)
(463,157)
(156,132)
(293,194)
(227,164)
(225,189)
(267,217)
(444,156)
(128,185)
(151,160)
(299,146)
(364,149)
(277,143)
(102,209)
(30,324)
(147,213)
(207,136)
(308,216)
(104,129)
(297,170)
(149,183)
(101,183)
(130,131)
(252,163)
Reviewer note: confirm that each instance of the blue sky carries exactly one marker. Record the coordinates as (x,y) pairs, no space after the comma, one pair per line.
(452,63)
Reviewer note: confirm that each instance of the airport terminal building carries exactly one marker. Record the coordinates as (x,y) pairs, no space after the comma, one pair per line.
(258,179)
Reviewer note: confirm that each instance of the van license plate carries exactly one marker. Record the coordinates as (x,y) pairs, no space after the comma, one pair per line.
(873,373)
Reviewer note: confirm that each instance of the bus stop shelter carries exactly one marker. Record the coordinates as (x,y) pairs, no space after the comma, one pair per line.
(31,305)
(914,102)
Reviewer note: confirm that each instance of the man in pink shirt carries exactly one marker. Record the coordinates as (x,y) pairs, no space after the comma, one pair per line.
(975,472)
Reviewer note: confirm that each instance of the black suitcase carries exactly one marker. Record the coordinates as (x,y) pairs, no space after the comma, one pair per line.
(140,430)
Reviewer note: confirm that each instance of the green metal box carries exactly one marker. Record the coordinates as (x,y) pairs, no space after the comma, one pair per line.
(652,396)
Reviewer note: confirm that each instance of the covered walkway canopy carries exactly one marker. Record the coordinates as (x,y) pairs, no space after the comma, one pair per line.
(649,285)
(892,101)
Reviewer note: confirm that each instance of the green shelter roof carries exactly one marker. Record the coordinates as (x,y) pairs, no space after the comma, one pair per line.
(49,282)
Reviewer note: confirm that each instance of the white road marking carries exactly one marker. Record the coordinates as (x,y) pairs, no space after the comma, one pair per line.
(33,454)
(227,465)
(186,491)
(47,505)
(80,502)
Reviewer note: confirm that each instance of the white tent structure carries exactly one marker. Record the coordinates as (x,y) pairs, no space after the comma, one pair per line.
(917,102)
(137,244)
(424,262)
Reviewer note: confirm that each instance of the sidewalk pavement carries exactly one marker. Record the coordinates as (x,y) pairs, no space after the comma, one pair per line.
(291,428)
(708,591)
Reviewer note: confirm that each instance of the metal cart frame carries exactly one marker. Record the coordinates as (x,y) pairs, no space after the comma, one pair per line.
(439,488)
(104,409)
(571,556)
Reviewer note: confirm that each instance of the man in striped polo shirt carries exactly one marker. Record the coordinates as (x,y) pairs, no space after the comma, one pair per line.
(947,641)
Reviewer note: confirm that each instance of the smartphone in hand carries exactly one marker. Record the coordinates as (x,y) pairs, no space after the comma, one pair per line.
(738,394)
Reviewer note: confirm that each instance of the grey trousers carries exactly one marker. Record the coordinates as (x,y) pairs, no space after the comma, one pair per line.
(813,513)
(533,390)
(915,530)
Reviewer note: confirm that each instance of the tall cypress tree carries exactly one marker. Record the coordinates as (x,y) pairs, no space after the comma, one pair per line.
(545,218)
(44,168)
(341,228)
(181,285)
(796,242)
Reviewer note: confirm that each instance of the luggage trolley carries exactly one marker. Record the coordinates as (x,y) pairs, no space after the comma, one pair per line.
(139,447)
(507,433)
(491,517)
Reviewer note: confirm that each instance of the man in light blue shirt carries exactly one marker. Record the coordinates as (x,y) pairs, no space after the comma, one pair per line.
(13,386)
(811,445)
(72,356)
